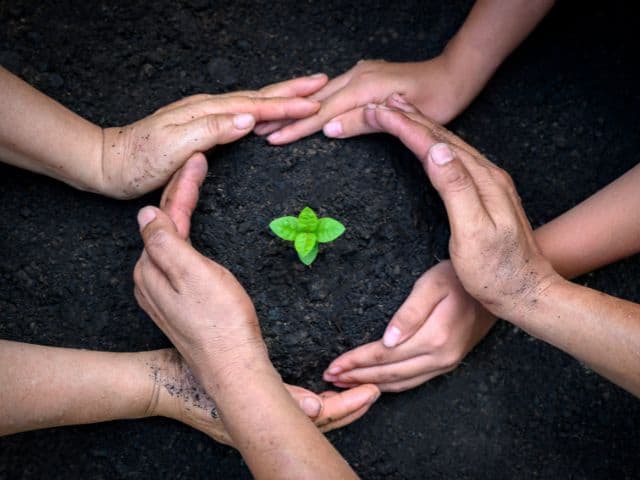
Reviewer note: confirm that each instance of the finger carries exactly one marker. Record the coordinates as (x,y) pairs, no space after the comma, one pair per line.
(397,101)
(173,256)
(265,128)
(407,384)
(310,403)
(190,100)
(424,298)
(333,86)
(349,124)
(180,197)
(297,87)
(448,174)
(394,372)
(342,101)
(262,109)
(345,420)
(370,355)
(345,403)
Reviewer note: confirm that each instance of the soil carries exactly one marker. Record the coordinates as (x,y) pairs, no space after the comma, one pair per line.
(560,115)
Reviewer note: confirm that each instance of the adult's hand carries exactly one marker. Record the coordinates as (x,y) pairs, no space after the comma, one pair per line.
(434,86)
(142,156)
(329,410)
(429,335)
(492,247)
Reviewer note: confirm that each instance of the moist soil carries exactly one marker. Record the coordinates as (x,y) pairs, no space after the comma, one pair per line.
(560,115)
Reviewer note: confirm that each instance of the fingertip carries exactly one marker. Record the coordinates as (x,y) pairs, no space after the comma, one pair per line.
(391,336)
(146,215)
(244,121)
(312,406)
(440,154)
(333,129)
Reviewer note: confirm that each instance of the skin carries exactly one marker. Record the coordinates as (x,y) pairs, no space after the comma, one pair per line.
(39,134)
(440,322)
(211,320)
(440,87)
(497,259)
(50,387)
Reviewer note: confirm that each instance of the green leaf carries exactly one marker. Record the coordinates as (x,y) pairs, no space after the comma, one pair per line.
(307,220)
(305,242)
(285,227)
(329,229)
(309,257)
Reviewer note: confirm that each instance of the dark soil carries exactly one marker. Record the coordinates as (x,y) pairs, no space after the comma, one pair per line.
(561,116)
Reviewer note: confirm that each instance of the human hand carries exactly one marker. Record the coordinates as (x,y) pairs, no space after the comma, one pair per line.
(177,394)
(492,246)
(429,335)
(435,87)
(141,157)
(180,396)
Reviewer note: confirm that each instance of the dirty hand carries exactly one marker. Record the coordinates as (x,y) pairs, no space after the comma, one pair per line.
(429,335)
(492,247)
(178,395)
(433,86)
(142,156)
(329,410)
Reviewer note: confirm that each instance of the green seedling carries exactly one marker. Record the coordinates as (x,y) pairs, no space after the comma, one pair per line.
(306,232)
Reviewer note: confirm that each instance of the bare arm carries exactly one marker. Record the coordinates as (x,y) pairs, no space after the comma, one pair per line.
(39,134)
(600,230)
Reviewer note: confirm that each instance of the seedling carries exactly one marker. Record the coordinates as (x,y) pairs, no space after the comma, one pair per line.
(306,232)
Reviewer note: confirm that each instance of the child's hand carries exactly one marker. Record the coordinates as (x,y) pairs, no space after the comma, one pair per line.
(142,156)
(433,330)
(433,86)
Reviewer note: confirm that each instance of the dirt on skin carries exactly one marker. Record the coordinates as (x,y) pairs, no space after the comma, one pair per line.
(560,116)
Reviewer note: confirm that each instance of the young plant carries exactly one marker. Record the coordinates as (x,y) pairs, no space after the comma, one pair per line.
(306,232)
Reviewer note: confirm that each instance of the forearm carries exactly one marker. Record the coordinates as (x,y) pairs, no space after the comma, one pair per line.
(493,29)
(39,134)
(44,387)
(274,436)
(600,330)
(602,229)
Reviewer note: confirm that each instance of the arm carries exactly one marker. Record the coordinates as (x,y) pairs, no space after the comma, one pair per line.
(498,261)
(39,134)
(440,87)
(600,230)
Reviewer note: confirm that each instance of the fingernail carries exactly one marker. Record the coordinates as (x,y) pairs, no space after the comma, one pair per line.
(383,107)
(391,337)
(146,215)
(374,397)
(274,136)
(243,121)
(371,106)
(311,406)
(317,75)
(327,377)
(334,370)
(440,154)
(333,129)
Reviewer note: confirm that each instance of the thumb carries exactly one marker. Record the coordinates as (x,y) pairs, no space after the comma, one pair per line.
(170,253)
(204,133)
(425,296)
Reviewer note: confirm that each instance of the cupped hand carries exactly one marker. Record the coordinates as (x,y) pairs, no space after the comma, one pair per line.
(329,410)
(492,247)
(429,335)
(178,395)
(433,86)
(141,157)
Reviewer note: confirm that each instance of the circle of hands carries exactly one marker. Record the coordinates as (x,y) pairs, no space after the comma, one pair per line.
(495,264)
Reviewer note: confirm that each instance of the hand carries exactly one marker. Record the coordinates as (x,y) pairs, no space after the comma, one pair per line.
(329,410)
(434,86)
(177,394)
(430,334)
(492,247)
(142,156)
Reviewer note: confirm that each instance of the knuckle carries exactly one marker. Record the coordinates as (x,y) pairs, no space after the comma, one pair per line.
(157,240)
(440,338)
(379,356)
(214,125)
(408,317)
(457,180)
